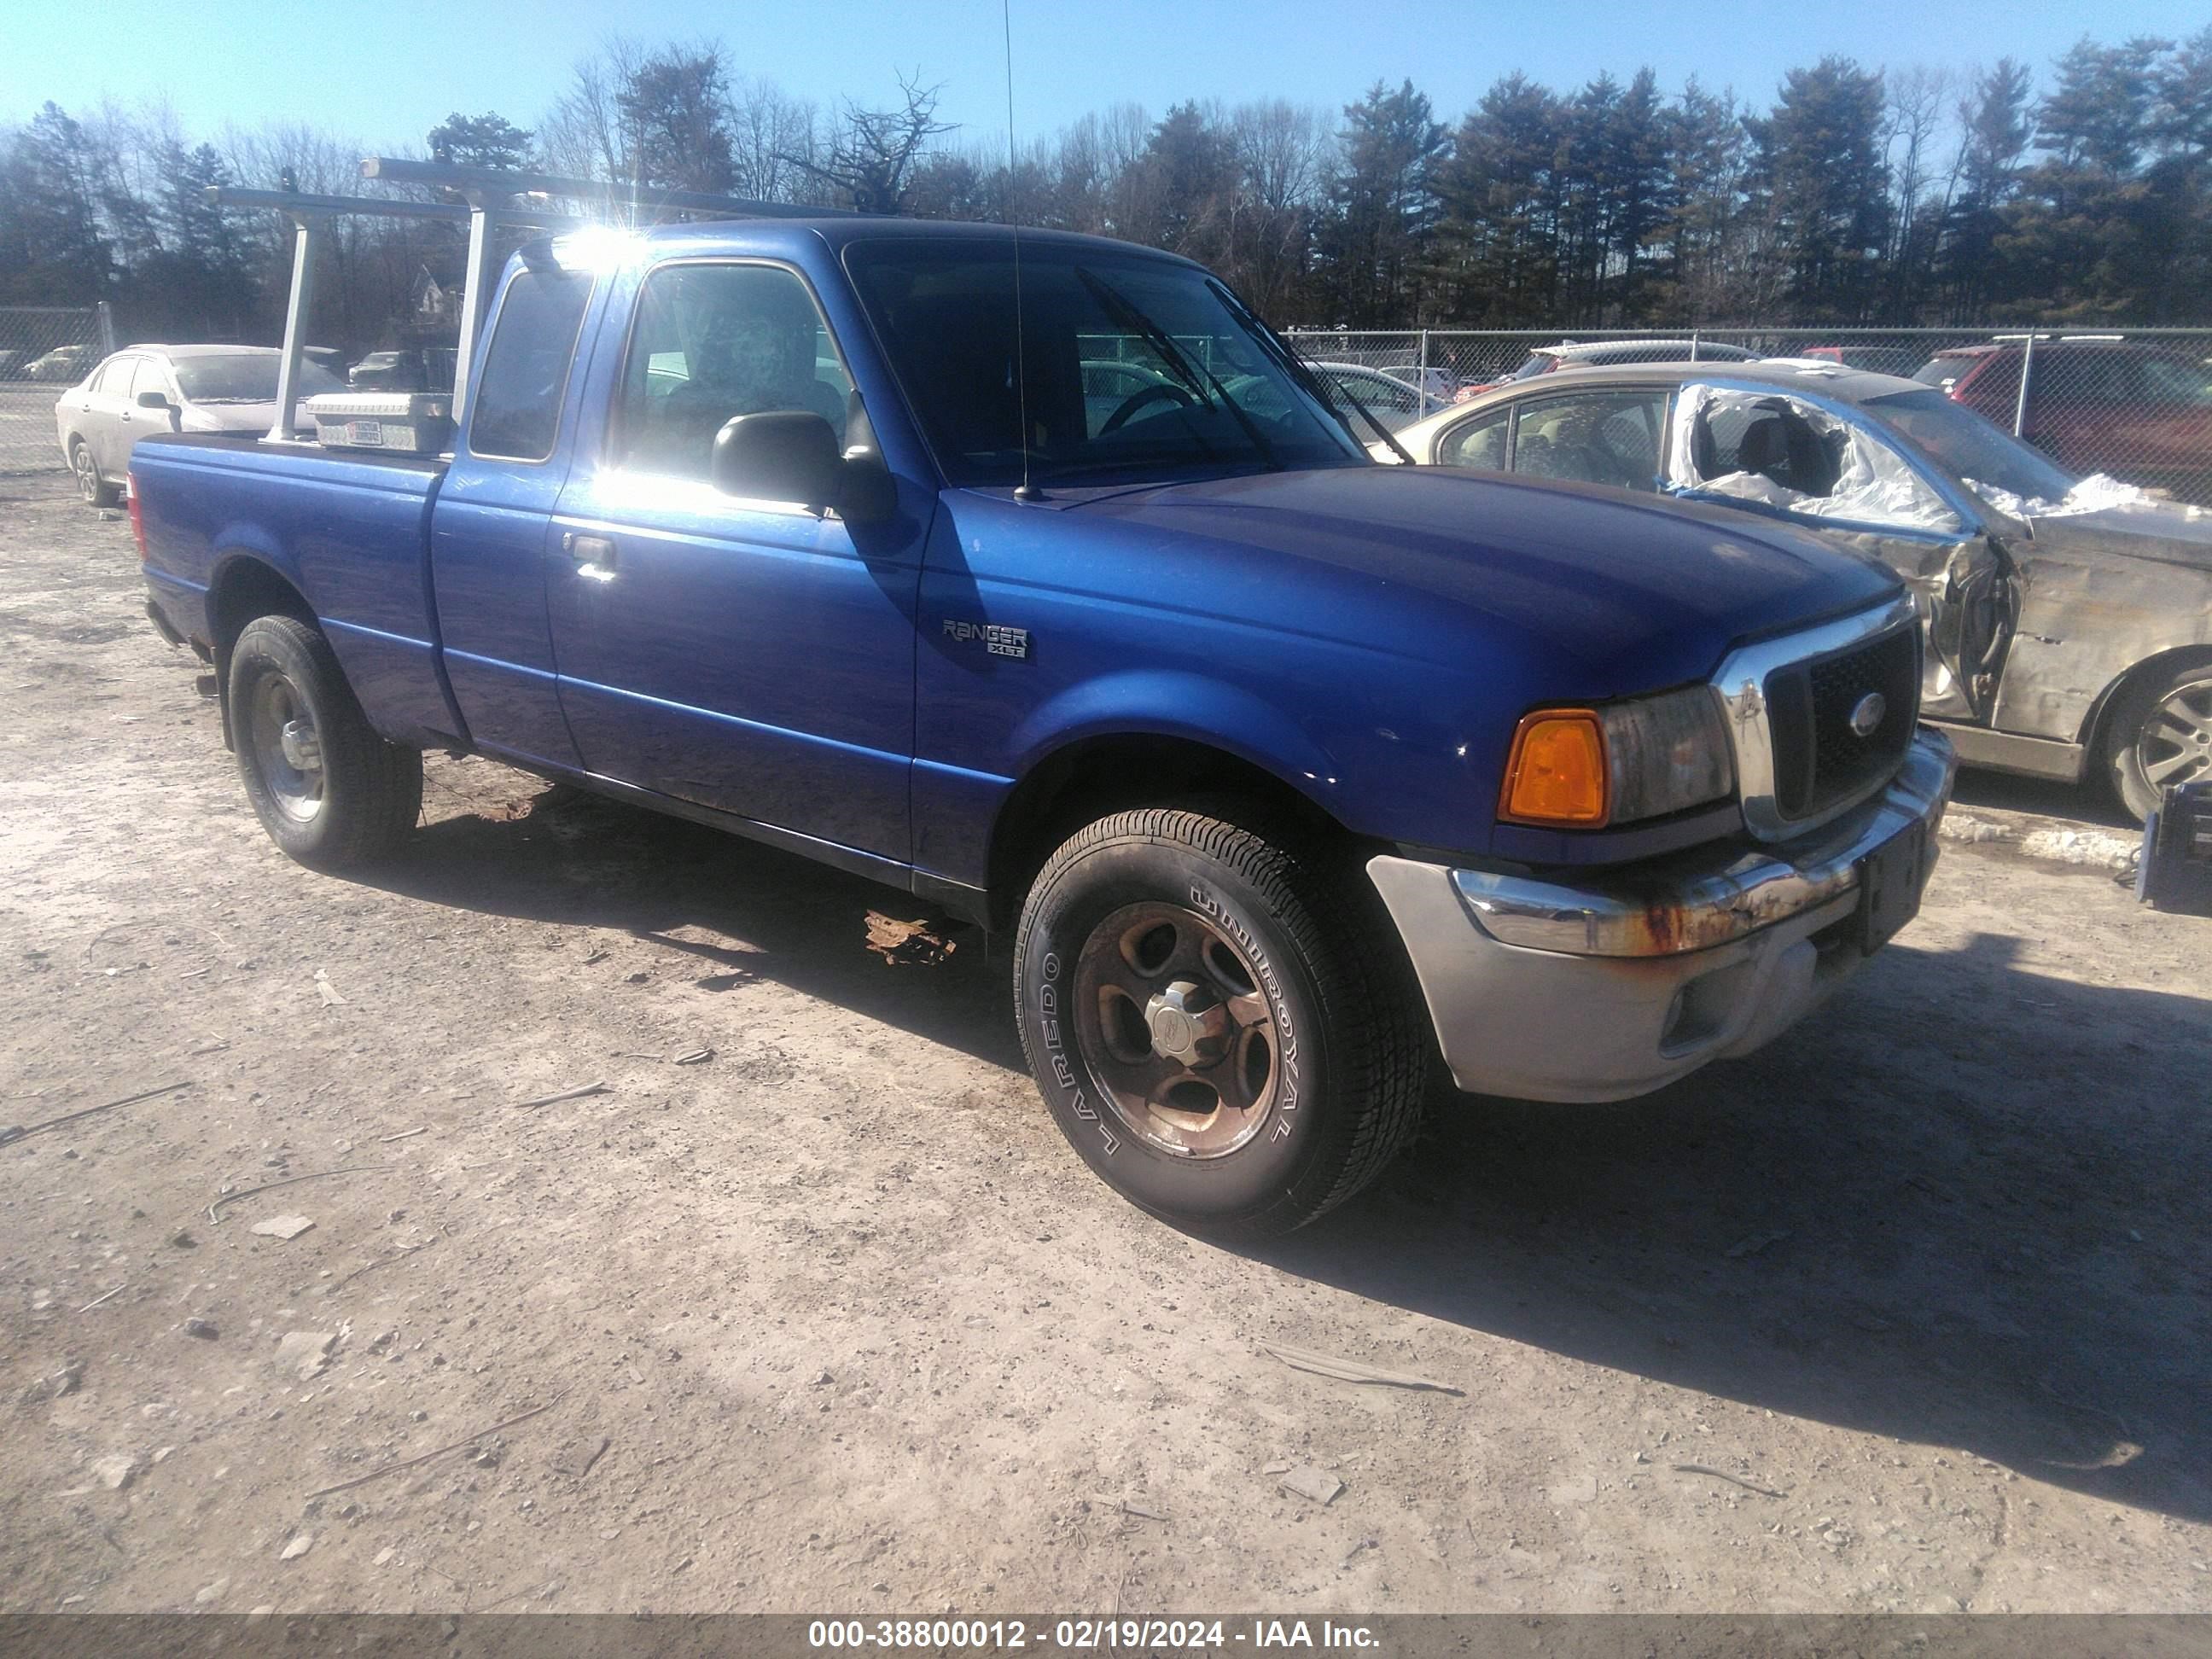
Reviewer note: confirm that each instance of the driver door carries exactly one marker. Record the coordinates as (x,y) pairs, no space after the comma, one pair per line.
(750,656)
(1843,479)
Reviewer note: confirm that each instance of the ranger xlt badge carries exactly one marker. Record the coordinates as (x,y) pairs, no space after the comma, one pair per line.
(999,641)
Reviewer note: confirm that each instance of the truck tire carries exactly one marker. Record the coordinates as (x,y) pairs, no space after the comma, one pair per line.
(2159,733)
(92,489)
(1230,1037)
(330,792)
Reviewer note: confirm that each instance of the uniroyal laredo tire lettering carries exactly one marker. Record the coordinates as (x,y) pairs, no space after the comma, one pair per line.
(1278,1005)
(1057,1054)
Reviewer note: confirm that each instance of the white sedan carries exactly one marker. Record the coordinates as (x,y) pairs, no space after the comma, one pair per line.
(168,388)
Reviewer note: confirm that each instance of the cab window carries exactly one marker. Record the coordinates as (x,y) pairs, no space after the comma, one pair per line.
(715,340)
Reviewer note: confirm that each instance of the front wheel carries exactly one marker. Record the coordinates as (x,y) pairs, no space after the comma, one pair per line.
(93,489)
(1226,1034)
(330,792)
(2160,734)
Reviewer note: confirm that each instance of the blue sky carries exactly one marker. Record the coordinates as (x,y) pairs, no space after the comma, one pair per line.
(385,74)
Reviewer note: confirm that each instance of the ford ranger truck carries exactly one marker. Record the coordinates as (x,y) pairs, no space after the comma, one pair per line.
(1067,604)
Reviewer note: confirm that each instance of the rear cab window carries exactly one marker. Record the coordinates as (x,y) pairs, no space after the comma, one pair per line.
(517,413)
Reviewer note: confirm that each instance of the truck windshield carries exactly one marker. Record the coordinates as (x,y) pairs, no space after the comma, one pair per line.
(1969,447)
(1131,367)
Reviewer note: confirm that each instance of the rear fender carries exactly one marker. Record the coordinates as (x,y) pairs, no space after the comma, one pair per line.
(248,579)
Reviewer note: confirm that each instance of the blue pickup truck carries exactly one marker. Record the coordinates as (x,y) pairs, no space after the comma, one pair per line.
(1040,582)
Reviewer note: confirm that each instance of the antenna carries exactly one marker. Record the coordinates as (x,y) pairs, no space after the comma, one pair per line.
(1027,491)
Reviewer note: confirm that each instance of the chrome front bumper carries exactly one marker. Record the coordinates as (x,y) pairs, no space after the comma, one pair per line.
(1614,986)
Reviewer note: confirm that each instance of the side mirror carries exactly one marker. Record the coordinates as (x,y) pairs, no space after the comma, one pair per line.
(787,456)
(792,456)
(155,400)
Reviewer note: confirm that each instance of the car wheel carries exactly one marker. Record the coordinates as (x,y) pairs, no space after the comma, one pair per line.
(328,789)
(1229,1036)
(91,488)
(2159,734)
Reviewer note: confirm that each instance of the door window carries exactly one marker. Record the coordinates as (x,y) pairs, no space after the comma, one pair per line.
(1605,438)
(1785,452)
(525,372)
(2070,377)
(114,377)
(1480,443)
(715,340)
(2175,381)
(151,377)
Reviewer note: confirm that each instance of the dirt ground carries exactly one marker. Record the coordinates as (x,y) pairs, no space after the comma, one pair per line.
(1910,1312)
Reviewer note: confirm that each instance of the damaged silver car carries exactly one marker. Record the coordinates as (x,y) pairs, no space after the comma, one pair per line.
(2069,620)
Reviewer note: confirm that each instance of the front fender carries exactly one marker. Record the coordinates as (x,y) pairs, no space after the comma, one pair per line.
(2084,627)
(1165,703)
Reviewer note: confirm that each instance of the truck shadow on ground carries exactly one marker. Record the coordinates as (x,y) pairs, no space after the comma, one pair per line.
(1964,1206)
(555,854)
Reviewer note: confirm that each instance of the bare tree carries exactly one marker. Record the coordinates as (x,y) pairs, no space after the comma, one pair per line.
(1917,103)
(775,144)
(583,135)
(872,153)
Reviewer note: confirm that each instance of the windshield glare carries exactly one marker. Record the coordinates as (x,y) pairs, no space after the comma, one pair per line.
(1969,447)
(1130,366)
(245,378)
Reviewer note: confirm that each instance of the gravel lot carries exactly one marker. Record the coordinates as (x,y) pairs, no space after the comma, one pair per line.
(1910,1312)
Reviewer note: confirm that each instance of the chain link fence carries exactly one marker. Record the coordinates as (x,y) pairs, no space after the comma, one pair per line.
(43,351)
(2134,404)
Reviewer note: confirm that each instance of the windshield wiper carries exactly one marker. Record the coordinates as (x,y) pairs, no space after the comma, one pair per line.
(1126,315)
(1291,364)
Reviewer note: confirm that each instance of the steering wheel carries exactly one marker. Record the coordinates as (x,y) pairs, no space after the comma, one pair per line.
(1137,400)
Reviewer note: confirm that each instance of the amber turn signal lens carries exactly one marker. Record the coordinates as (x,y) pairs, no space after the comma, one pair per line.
(1557,771)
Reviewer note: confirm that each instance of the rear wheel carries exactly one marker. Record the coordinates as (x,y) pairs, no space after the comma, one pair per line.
(329,791)
(1225,1033)
(93,489)
(2159,734)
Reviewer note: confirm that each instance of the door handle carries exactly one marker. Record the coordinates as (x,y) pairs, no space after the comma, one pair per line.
(595,556)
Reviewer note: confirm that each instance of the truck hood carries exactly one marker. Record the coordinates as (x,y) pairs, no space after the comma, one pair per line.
(1641,594)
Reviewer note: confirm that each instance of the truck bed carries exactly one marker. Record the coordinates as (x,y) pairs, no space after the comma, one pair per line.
(349,529)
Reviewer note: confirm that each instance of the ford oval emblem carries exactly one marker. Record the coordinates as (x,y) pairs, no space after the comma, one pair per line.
(1866,715)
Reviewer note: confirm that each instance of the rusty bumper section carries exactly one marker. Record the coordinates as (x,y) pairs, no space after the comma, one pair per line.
(1618,984)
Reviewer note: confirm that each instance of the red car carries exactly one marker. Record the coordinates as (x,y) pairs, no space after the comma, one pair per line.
(2141,412)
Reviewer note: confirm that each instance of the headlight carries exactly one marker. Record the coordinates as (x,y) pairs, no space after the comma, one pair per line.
(1583,768)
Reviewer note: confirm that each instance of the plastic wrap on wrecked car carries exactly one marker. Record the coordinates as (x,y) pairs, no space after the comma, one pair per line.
(1874,484)
(2098,493)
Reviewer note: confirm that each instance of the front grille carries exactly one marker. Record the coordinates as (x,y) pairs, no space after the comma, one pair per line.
(1819,761)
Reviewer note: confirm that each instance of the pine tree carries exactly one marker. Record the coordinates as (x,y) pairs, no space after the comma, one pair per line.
(1382,204)
(1820,174)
